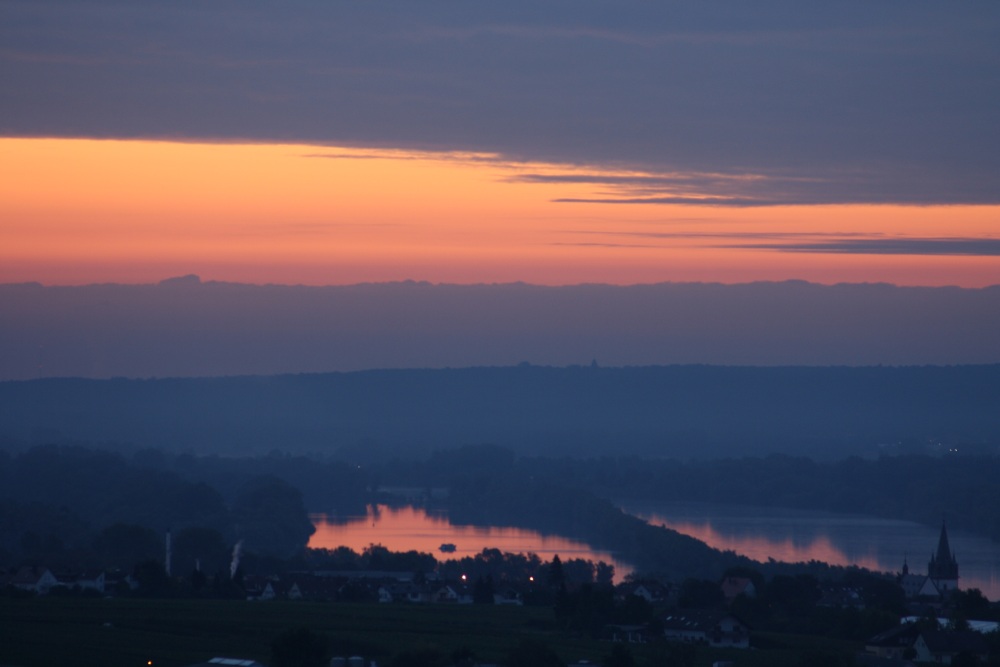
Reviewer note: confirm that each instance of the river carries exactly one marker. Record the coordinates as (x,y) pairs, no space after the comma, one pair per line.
(413,528)
(839,539)
(757,532)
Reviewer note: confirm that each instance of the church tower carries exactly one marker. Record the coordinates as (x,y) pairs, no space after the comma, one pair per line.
(943,568)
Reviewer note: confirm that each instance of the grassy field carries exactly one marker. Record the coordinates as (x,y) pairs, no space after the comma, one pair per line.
(130,632)
(85,632)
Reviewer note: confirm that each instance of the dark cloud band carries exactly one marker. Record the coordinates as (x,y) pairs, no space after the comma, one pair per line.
(981,247)
(861,103)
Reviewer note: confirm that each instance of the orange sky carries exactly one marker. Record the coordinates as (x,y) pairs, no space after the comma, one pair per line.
(83,211)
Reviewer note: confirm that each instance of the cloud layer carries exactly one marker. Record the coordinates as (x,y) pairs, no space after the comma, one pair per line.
(828,103)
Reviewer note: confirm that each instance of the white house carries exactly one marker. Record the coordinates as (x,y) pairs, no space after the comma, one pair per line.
(716,629)
(38,580)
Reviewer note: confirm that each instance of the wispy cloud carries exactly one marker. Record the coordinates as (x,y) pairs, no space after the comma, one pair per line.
(696,188)
(460,157)
(739,202)
(583,244)
(737,190)
(849,243)
(733,235)
(658,181)
(360,156)
(983,247)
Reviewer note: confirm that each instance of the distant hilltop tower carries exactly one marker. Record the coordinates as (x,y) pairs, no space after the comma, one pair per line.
(169,554)
(943,568)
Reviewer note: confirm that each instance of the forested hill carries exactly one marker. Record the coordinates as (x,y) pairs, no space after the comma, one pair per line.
(676,411)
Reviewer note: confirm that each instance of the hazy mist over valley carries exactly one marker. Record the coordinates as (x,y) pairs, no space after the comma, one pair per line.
(668,370)
(184,327)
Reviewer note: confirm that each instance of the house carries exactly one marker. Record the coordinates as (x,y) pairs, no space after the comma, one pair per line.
(260,587)
(943,646)
(310,587)
(91,580)
(627,634)
(116,581)
(733,586)
(893,643)
(508,596)
(982,627)
(38,580)
(445,593)
(705,626)
(917,585)
(840,597)
(406,592)
(227,662)
(417,593)
(394,591)
(82,581)
(651,591)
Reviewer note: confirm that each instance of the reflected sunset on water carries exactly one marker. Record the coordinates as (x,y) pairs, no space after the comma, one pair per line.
(416,529)
(762,547)
(795,536)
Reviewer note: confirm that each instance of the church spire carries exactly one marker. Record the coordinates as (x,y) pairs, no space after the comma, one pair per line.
(944,553)
(943,568)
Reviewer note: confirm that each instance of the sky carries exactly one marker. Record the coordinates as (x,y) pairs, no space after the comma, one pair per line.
(553,143)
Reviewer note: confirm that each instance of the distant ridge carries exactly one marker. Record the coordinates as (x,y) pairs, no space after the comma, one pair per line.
(674,411)
(183,327)
(189,280)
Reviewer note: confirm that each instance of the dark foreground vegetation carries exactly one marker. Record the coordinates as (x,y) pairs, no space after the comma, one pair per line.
(789,625)
(130,632)
(237,523)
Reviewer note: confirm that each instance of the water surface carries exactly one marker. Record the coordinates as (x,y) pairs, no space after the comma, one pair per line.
(839,539)
(760,533)
(413,528)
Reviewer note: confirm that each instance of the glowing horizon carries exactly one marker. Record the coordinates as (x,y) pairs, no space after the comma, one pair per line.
(81,211)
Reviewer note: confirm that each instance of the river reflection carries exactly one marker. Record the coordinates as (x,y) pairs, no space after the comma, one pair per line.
(411,528)
(796,535)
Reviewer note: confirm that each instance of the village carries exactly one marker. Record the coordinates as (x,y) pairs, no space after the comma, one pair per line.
(919,618)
